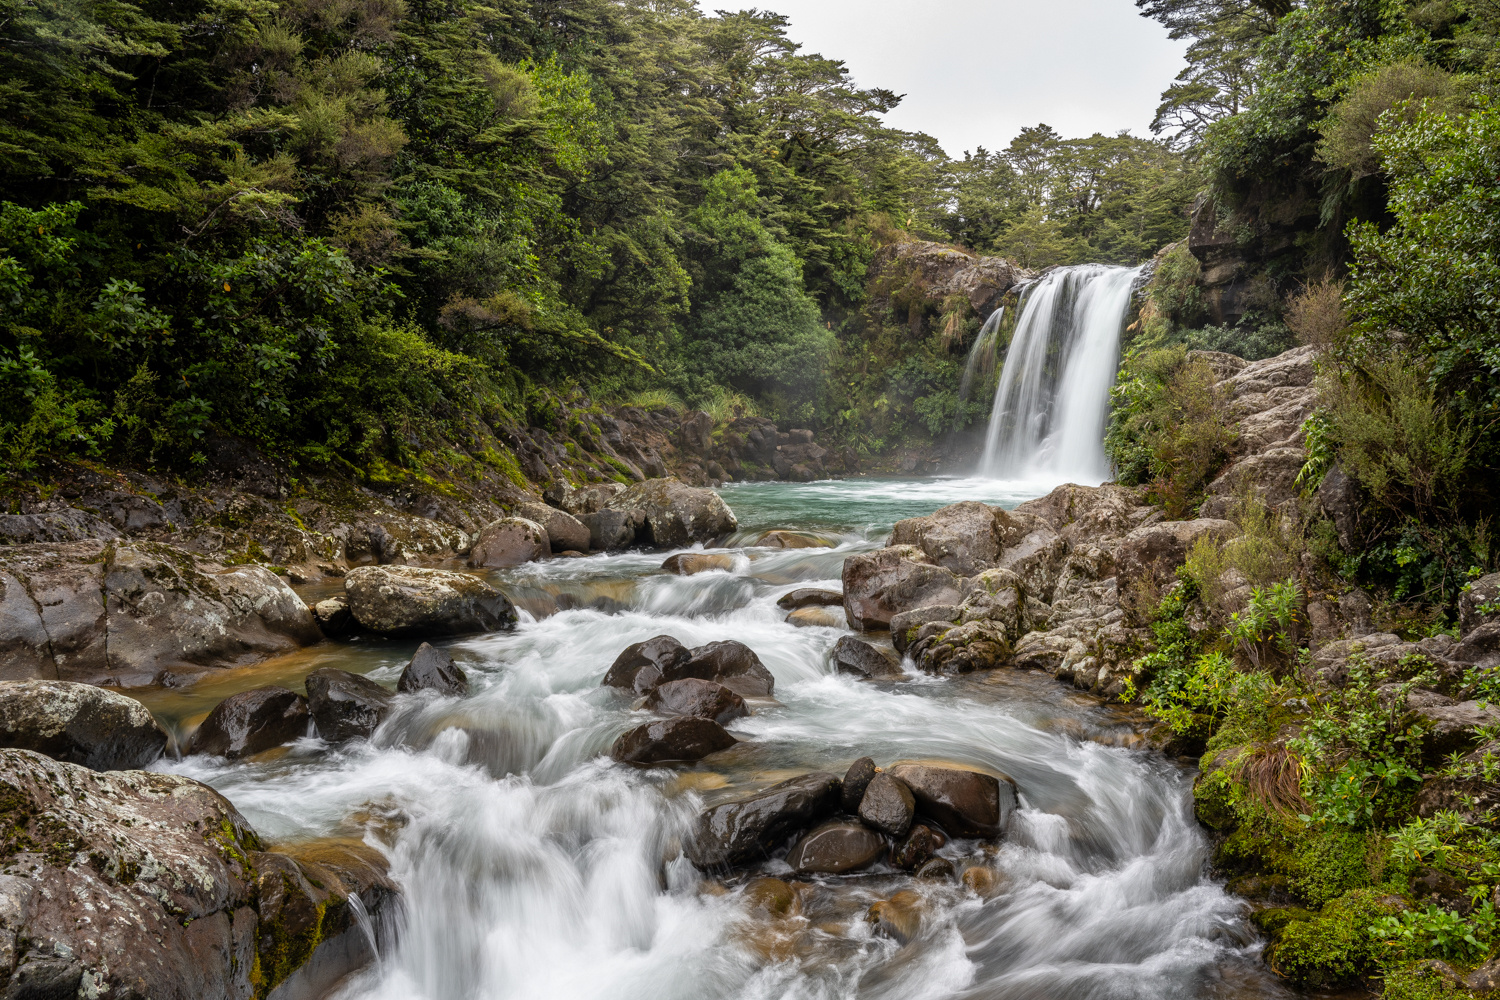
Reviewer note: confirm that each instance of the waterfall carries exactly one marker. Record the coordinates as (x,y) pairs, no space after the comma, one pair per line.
(1053,398)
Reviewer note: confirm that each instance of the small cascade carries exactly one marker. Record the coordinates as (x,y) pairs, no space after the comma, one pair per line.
(1053,398)
(982,354)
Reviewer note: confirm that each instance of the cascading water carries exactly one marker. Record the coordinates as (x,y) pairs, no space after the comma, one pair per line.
(1047,423)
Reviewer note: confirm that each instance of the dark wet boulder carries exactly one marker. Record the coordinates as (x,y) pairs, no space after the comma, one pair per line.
(79,724)
(920,843)
(676,514)
(565,532)
(643,665)
(730,663)
(856,780)
(836,847)
(346,706)
(509,541)
(810,597)
(964,803)
(734,833)
(696,697)
(411,601)
(251,722)
(855,656)
(334,618)
(433,669)
(689,563)
(684,738)
(880,585)
(887,805)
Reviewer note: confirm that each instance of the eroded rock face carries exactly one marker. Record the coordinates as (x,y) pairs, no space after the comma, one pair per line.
(685,738)
(880,585)
(1482,593)
(509,541)
(964,803)
(738,832)
(855,656)
(565,532)
(346,706)
(251,722)
(677,515)
(125,612)
(836,847)
(1149,556)
(433,669)
(693,696)
(79,724)
(406,600)
(613,530)
(963,537)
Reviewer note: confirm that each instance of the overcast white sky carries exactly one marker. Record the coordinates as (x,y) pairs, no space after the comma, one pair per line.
(975,72)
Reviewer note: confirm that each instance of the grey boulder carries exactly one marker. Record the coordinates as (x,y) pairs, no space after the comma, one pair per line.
(410,601)
(79,724)
(509,541)
(565,533)
(676,515)
(855,656)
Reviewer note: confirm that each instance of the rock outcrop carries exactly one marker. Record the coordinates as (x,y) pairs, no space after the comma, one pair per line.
(79,724)
(135,883)
(675,514)
(410,601)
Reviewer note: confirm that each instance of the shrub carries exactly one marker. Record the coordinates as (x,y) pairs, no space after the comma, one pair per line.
(1316,314)
(1396,92)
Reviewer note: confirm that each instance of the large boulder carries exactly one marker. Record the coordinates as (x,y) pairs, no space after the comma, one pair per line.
(962,649)
(126,612)
(887,805)
(509,541)
(433,669)
(409,601)
(565,533)
(684,738)
(251,722)
(346,706)
(855,656)
(730,663)
(964,803)
(836,847)
(1453,727)
(643,665)
(734,833)
(677,515)
(963,537)
(79,724)
(880,585)
(613,530)
(141,884)
(1149,555)
(693,696)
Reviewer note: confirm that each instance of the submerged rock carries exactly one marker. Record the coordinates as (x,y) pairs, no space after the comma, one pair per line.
(792,540)
(734,833)
(817,618)
(509,541)
(855,656)
(409,601)
(251,722)
(79,724)
(899,917)
(433,669)
(964,803)
(809,597)
(685,738)
(675,514)
(693,696)
(346,706)
(887,805)
(836,847)
(689,563)
(920,843)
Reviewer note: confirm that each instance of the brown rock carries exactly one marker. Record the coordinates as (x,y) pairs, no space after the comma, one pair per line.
(251,722)
(808,597)
(684,738)
(738,832)
(899,917)
(887,805)
(817,618)
(731,663)
(346,706)
(564,531)
(856,781)
(509,541)
(880,585)
(921,843)
(688,563)
(940,869)
(772,895)
(965,803)
(836,847)
(79,724)
(643,665)
(697,697)
(792,540)
(981,880)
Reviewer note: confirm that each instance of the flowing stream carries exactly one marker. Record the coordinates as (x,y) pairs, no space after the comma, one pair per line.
(533,867)
(1053,397)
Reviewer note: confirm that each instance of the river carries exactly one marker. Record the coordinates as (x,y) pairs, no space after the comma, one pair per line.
(533,867)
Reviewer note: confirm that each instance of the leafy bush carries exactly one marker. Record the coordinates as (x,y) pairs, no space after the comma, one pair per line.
(1337,945)
(1316,314)
(1396,92)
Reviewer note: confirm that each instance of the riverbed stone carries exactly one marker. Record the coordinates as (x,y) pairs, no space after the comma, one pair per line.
(855,656)
(433,669)
(793,540)
(772,895)
(836,847)
(887,805)
(564,531)
(920,843)
(964,803)
(79,724)
(685,738)
(899,917)
(676,514)
(856,780)
(730,663)
(613,530)
(346,706)
(697,697)
(509,541)
(734,833)
(810,597)
(643,665)
(690,563)
(412,601)
(251,722)
(937,869)
(817,618)
(334,618)
(880,585)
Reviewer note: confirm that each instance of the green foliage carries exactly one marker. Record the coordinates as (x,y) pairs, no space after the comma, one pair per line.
(1267,624)
(1337,945)
(1433,932)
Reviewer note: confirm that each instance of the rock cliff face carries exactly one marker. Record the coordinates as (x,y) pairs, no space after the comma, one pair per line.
(918,271)
(1237,246)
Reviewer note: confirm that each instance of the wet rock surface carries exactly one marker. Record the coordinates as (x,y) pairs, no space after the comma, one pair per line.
(964,803)
(80,724)
(734,833)
(689,563)
(730,663)
(433,669)
(836,847)
(887,805)
(676,514)
(411,601)
(856,780)
(683,739)
(701,698)
(643,665)
(346,706)
(855,656)
(564,531)
(252,722)
(810,597)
